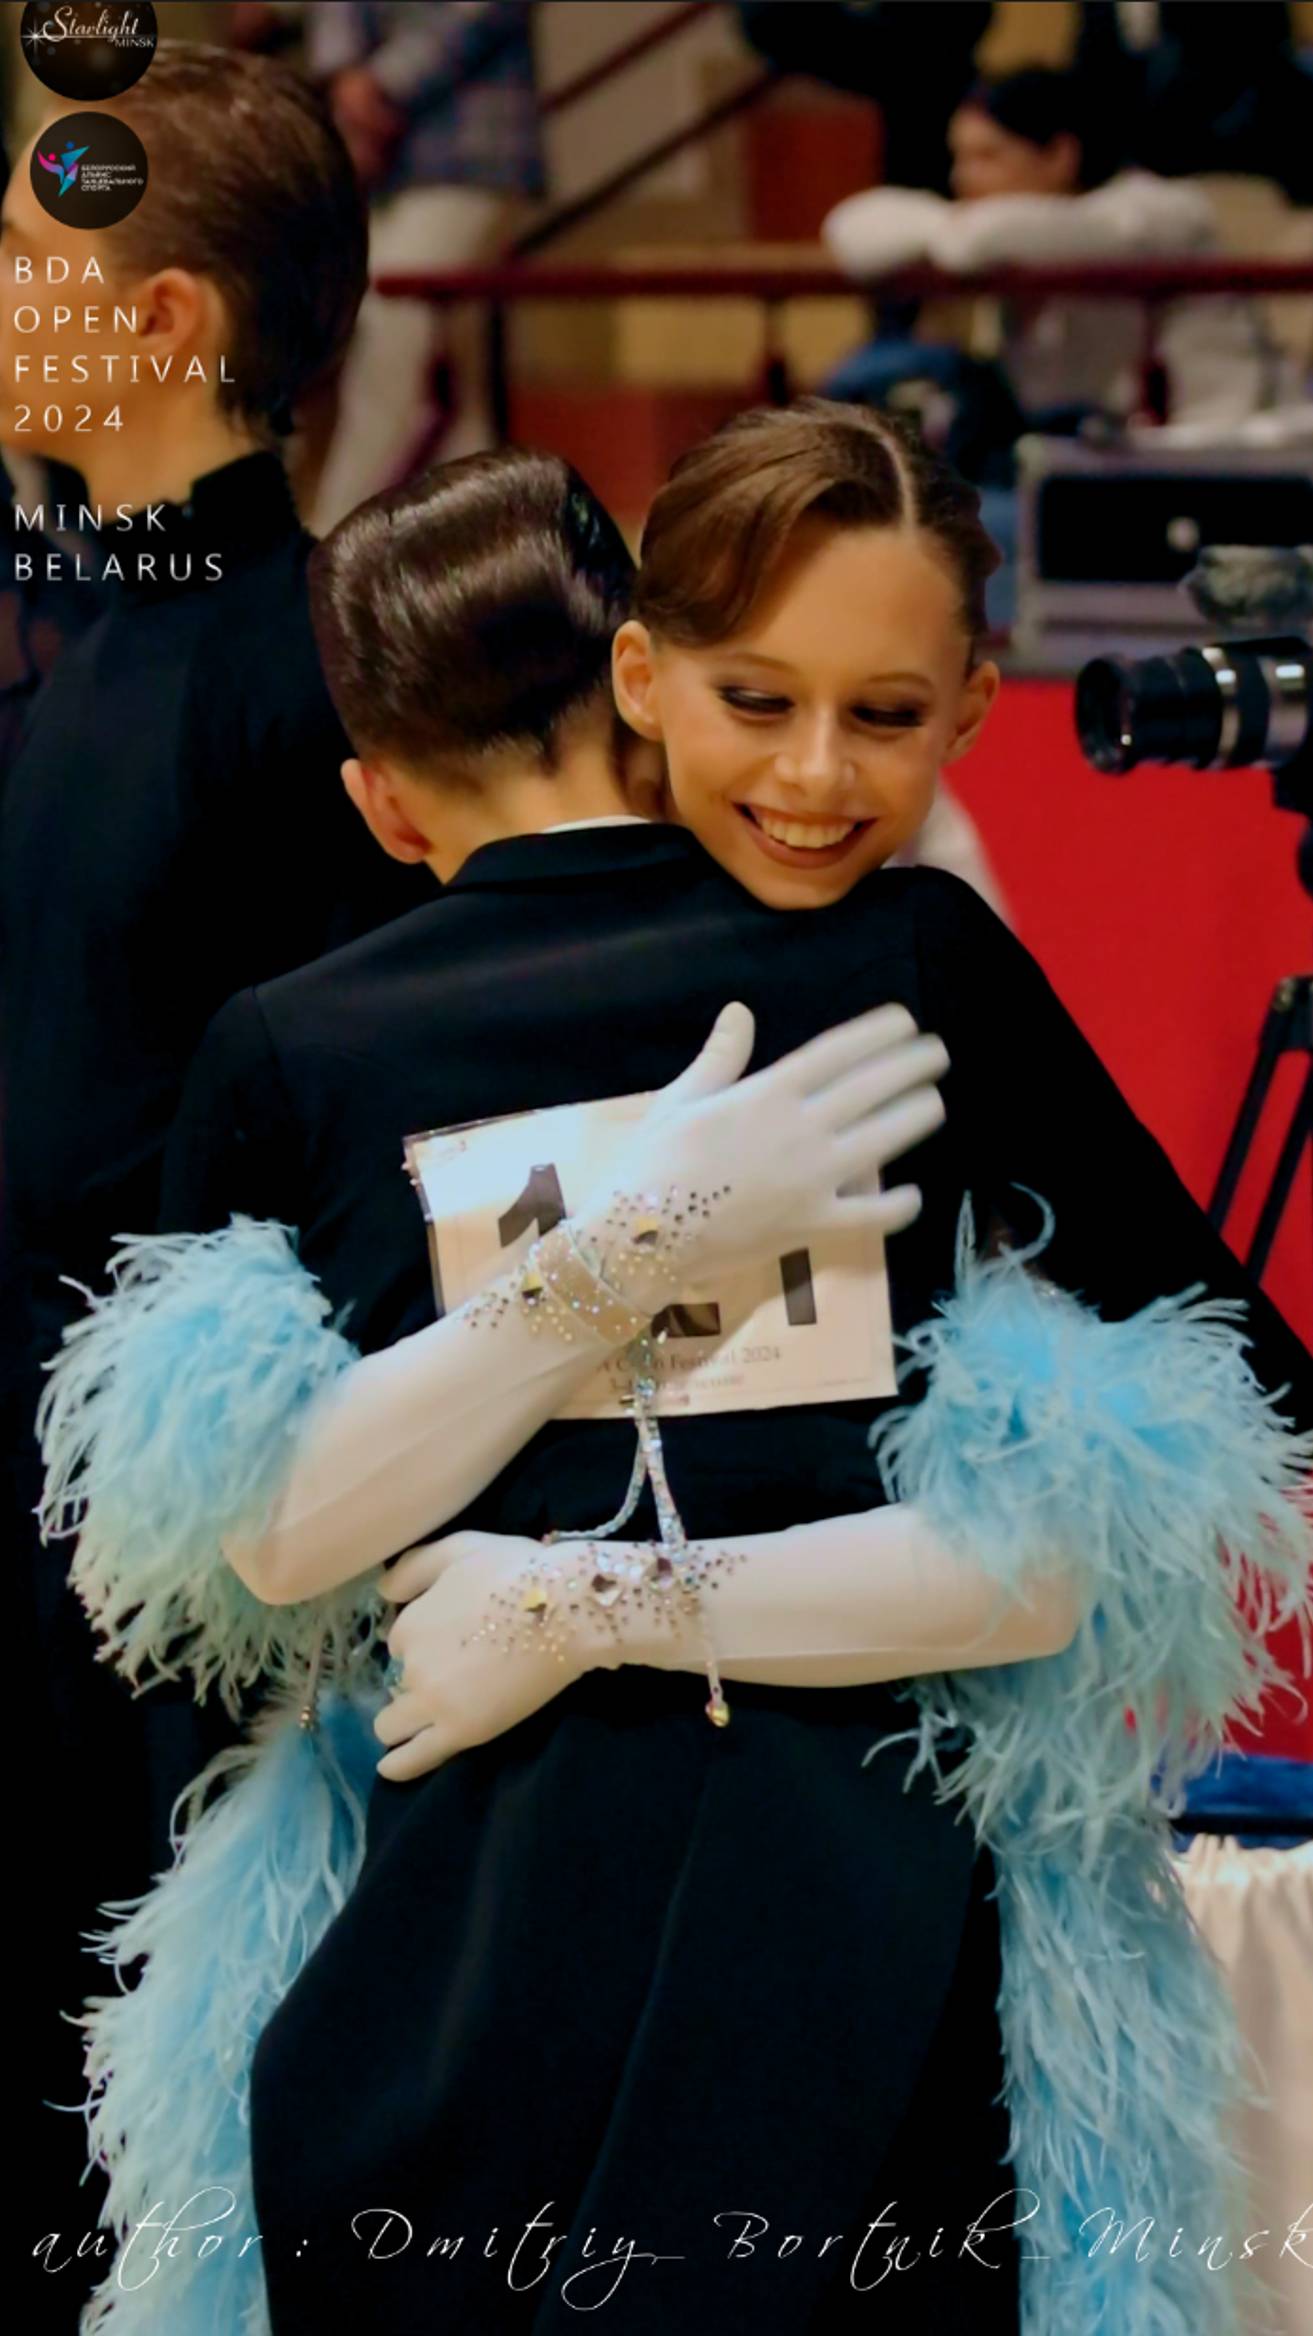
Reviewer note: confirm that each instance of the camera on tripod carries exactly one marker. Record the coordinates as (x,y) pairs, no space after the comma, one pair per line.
(1224,706)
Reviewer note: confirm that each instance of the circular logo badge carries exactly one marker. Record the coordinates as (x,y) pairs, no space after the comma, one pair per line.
(82,48)
(89,170)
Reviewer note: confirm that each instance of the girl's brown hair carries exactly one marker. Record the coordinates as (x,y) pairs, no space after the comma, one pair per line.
(251,186)
(721,525)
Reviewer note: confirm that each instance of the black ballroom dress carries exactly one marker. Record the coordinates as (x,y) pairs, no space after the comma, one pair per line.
(677,1987)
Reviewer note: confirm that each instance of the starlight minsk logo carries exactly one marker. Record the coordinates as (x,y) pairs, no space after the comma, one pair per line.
(87,48)
(88,170)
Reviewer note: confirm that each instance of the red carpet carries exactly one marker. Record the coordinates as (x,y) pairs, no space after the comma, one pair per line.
(1164,907)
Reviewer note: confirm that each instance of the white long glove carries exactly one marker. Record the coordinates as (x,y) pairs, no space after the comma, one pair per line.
(843,1603)
(404,1440)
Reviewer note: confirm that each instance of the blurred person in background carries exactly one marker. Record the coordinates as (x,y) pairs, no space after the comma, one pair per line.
(437,104)
(1193,88)
(914,64)
(171,829)
(1038,178)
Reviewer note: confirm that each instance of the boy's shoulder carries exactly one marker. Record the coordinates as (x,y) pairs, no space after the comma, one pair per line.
(919,900)
(366,972)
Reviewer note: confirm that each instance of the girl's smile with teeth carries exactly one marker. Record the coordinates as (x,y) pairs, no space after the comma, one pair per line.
(803,842)
(801,834)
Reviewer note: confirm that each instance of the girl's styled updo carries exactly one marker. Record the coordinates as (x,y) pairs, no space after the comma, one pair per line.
(470,612)
(721,526)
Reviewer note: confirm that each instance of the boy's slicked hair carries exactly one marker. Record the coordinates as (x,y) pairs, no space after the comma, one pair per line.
(470,612)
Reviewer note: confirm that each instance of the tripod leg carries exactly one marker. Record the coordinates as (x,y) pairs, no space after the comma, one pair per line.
(1272,1042)
(1298,1134)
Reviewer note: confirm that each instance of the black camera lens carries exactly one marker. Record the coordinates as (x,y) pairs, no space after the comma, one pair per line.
(1223,706)
(1161,709)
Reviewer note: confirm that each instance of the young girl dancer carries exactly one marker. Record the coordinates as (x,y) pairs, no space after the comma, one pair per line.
(700,1985)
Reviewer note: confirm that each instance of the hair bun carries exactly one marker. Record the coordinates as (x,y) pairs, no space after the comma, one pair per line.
(596,546)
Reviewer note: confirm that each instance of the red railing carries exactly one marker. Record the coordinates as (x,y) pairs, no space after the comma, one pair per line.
(1154,282)
(1150,280)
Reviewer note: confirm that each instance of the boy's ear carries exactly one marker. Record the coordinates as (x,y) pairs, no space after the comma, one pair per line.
(633,679)
(979,693)
(375,798)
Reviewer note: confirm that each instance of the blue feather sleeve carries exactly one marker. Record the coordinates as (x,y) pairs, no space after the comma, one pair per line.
(166,1426)
(262,1870)
(1144,1457)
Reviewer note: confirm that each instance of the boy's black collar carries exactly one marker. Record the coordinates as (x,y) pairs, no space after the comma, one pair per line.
(239,509)
(572,852)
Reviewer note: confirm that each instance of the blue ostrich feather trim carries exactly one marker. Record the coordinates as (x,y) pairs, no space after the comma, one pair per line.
(260,1872)
(1142,1457)
(167,1425)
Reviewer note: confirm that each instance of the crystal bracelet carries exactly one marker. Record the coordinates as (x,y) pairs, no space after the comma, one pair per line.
(556,1273)
(561,1287)
(660,1578)
(538,1611)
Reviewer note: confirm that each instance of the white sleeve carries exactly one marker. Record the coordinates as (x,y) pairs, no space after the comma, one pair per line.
(400,1442)
(1134,216)
(884,229)
(857,1599)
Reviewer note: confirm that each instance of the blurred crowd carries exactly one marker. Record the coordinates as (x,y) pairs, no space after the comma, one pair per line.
(1108,159)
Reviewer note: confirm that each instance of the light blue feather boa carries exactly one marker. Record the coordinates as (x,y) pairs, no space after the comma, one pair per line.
(1140,1454)
(1143,1456)
(262,1872)
(166,1426)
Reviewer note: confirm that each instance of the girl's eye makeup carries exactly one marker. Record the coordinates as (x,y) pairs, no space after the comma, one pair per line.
(765,704)
(890,717)
(753,701)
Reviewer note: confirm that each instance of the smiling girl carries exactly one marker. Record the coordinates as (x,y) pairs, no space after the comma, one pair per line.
(806,645)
